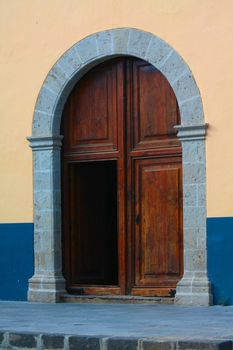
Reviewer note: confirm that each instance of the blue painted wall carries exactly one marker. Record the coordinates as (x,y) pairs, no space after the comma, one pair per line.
(16,260)
(220,258)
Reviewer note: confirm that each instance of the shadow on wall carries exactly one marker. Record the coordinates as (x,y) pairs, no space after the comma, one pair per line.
(16,260)
(220,252)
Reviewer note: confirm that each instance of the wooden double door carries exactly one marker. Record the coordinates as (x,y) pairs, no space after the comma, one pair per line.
(122,182)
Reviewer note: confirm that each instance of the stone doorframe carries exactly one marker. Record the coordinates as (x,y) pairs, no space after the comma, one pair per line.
(48,284)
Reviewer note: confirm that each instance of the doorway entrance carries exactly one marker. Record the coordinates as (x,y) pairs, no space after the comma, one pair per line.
(122,182)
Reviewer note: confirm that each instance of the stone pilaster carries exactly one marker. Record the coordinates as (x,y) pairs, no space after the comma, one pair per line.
(194,287)
(47,283)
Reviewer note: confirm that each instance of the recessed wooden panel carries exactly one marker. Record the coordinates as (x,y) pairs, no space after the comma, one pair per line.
(158,222)
(91,112)
(154,112)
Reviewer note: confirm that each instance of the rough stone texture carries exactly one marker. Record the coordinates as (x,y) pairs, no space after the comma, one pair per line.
(173,67)
(158,52)
(104,41)
(70,62)
(122,344)
(194,152)
(62,342)
(19,341)
(191,111)
(190,195)
(210,345)
(185,87)
(120,38)
(1,339)
(84,343)
(52,341)
(194,222)
(138,42)
(56,78)
(47,283)
(46,101)
(151,345)
(46,147)
(87,49)
(41,124)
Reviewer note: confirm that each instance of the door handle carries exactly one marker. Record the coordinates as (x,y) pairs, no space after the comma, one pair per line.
(137,220)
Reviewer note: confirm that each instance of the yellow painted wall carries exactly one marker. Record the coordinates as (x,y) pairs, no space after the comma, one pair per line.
(35,33)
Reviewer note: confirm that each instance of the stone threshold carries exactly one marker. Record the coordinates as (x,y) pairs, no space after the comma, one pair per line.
(115,299)
(22,340)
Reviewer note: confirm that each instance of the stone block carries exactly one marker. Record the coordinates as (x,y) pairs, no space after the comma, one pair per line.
(194,217)
(42,181)
(185,87)
(43,296)
(191,111)
(42,124)
(83,343)
(120,40)
(194,173)
(201,237)
(53,341)
(46,159)
(195,260)
(56,179)
(19,341)
(202,299)
(36,161)
(43,220)
(42,201)
(56,78)
(139,42)
(190,195)
(205,345)
(158,51)
(70,62)
(190,238)
(201,190)
(46,101)
(38,239)
(193,152)
(156,345)
(173,67)
(104,42)
(122,344)
(87,48)
(1,337)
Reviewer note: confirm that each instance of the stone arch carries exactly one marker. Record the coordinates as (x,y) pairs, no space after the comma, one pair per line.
(48,284)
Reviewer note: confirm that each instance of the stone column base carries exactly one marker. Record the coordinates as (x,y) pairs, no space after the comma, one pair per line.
(194,289)
(46,289)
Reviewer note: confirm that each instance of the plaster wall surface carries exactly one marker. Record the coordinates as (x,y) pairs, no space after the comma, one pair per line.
(35,34)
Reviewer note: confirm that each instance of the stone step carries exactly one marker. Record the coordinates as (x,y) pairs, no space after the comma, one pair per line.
(115,299)
(38,341)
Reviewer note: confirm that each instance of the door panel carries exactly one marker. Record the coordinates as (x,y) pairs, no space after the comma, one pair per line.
(158,222)
(92,111)
(154,108)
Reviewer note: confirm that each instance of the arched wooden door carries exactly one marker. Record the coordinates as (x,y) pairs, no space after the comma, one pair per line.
(122,182)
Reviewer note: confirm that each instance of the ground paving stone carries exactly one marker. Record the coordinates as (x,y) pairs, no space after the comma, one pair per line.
(114,326)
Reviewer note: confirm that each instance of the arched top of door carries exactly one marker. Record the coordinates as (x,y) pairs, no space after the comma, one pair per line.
(96,48)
